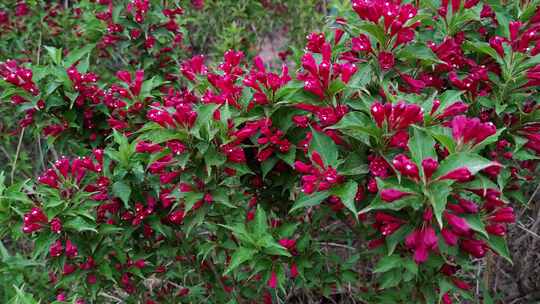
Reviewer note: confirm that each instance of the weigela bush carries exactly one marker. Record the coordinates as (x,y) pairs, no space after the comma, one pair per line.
(384,164)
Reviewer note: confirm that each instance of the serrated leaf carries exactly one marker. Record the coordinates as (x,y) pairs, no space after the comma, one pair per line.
(422,146)
(288,157)
(240,256)
(190,199)
(374,31)
(123,191)
(347,192)
(378,204)
(309,200)
(79,224)
(76,55)
(476,224)
(203,122)
(498,244)
(471,161)
(325,146)
(387,262)
(260,225)
(482,47)
(391,278)
(444,136)
(54,53)
(438,197)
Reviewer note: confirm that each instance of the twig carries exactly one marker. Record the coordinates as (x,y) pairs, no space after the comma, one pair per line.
(521,226)
(110,297)
(41,157)
(6,153)
(533,195)
(337,245)
(17,155)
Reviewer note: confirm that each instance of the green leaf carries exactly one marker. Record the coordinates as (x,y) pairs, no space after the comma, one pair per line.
(391,278)
(374,31)
(476,224)
(240,256)
(190,198)
(388,262)
(148,85)
(284,92)
(76,55)
(398,236)
(274,248)
(260,227)
(335,87)
(201,128)
(309,200)
(354,164)
(471,161)
(357,122)
(157,134)
(288,157)
(268,165)
(347,193)
(79,224)
(22,297)
(489,140)
(213,158)
(326,147)
(55,54)
(482,47)
(498,244)
(479,182)
(378,204)
(414,52)
(422,146)
(123,191)
(444,136)
(444,287)
(438,197)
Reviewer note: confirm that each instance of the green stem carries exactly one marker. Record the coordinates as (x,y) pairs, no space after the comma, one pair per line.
(12,175)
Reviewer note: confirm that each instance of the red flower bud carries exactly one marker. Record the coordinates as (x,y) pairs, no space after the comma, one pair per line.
(378,113)
(386,60)
(272,281)
(56,249)
(429,165)
(460,174)
(457,223)
(361,43)
(390,195)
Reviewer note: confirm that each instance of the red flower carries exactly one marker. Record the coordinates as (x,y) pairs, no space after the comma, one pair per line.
(471,130)
(134,85)
(71,249)
(387,224)
(476,248)
(460,174)
(457,223)
(429,165)
(272,281)
(390,195)
(56,249)
(294,270)
(361,44)
(421,242)
(386,60)
(405,166)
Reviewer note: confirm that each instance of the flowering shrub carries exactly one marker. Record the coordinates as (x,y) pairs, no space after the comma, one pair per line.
(382,166)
